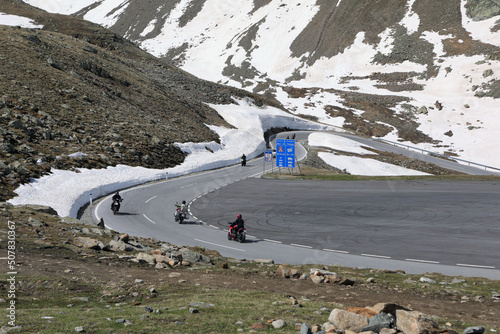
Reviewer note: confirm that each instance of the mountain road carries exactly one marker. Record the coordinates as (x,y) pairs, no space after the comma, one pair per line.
(415,226)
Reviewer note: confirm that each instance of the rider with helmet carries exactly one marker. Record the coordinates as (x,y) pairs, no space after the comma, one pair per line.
(238,224)
(116,197)
(181,208)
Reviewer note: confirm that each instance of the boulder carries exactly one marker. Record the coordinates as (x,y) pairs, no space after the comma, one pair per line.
(119,246)
(317,279)
(144,257)
(379,321)
(278,324)
(414,322)
(161,258)
(89,243)
(286,272)
(305,329)
(346,320)
(192,256)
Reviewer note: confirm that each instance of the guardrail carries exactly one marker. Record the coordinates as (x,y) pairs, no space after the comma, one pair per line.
(434,154)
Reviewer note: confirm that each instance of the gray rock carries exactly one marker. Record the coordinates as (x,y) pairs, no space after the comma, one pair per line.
(379,321)
(348,320)
(54,63)
(278,324)
(487,73)
(89,48)
(36,223)
(192,256)
(119,246)
(86,242)
(427,280)
(480,10)
(305,329)
(144,257)
(414,322)
(474,330)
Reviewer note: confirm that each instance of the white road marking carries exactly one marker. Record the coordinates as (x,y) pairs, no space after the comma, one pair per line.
(189,185)
(151,199)
(218,245)
(475,266)
(378,256)
(422,261)
(148,219)
(335,251)
(269,240)
(298,245)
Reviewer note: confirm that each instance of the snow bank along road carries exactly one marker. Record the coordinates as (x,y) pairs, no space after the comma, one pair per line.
(416,226)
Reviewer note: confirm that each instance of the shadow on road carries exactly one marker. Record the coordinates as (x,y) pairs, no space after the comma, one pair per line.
(187,222)
(126,214)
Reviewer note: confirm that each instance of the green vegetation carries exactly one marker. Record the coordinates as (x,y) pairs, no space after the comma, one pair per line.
(60,304)
(59,310)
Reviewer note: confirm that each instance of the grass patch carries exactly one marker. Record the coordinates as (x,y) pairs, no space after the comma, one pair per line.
(218,310)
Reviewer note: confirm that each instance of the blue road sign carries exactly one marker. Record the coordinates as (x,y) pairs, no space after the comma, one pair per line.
(285,153)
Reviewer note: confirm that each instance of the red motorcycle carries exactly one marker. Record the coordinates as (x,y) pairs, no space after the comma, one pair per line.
(239,235)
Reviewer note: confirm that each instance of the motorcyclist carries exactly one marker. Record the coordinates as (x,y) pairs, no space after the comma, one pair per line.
(238,224)
(181,208)
(116,197)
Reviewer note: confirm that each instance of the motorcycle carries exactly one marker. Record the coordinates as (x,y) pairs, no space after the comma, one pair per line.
(115,207)
(180,215)
(239,235)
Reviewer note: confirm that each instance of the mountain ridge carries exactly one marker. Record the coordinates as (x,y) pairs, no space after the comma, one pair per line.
(426,53)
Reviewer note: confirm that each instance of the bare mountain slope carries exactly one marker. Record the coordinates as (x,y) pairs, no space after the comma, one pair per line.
(76,87)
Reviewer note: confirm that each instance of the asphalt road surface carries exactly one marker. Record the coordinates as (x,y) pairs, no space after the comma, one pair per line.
(416,226)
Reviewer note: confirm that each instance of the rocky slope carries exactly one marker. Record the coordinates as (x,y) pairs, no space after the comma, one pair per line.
(105,269)
(77,95)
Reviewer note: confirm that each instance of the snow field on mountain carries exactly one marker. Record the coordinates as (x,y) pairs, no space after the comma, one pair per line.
(219,36)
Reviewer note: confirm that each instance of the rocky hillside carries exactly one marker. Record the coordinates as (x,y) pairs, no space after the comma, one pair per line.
(126,284)
(74,94)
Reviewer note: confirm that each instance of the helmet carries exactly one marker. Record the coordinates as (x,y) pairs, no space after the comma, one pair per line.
(239,216)
(183,202)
